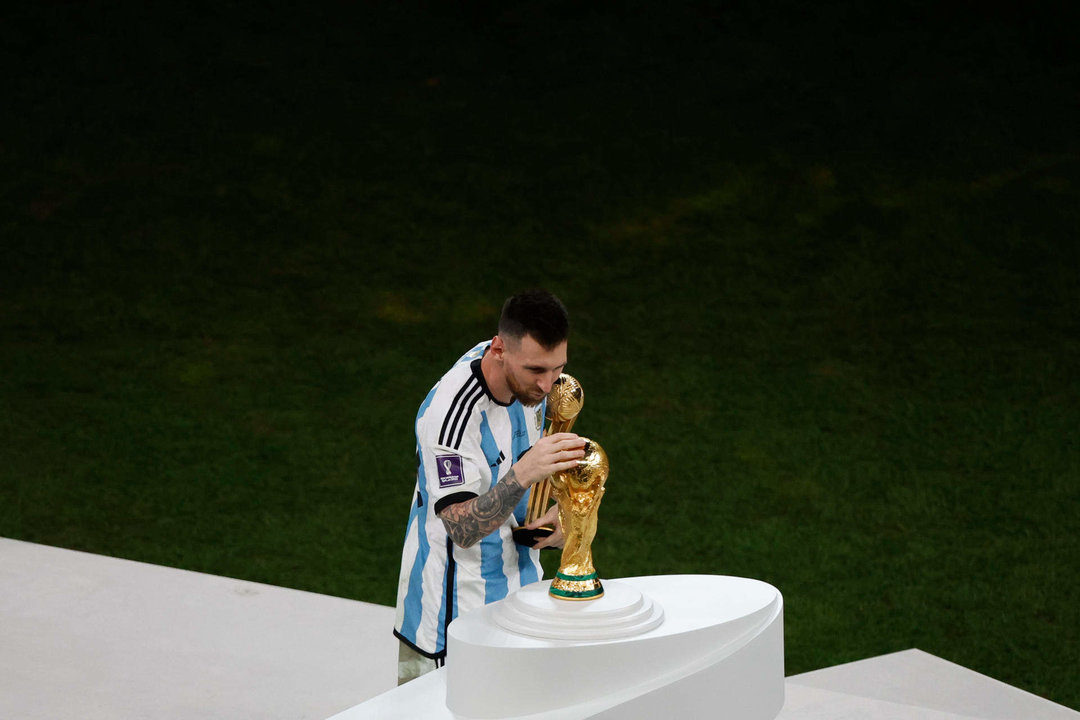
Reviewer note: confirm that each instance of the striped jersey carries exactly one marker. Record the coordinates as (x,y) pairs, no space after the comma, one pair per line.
(466,442)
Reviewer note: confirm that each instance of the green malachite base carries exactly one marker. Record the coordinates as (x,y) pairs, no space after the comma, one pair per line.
(576,587)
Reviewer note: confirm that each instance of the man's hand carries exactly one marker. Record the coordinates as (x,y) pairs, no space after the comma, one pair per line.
(550,454)
(551,517)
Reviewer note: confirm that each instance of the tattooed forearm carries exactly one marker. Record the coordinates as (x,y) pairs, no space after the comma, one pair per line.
(467,522)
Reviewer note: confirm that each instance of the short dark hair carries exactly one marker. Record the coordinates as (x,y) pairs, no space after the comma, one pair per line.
(537,313)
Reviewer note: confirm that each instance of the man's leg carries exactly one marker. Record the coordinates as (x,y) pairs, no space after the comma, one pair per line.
(412,664)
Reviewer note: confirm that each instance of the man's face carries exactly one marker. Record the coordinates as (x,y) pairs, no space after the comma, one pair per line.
(531,369)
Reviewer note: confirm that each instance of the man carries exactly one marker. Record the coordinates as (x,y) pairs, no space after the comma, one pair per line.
(479,447)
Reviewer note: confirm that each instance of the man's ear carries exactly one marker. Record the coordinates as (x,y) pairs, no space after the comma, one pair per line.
(498,347)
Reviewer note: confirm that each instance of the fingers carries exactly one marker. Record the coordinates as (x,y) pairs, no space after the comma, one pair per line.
(551,517)
(562,452)
(566,447)
(550,454)
(545,542)
(554,540)
(564,441)
(565,465)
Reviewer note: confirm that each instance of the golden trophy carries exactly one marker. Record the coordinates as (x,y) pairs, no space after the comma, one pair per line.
(564,402)
(578,492)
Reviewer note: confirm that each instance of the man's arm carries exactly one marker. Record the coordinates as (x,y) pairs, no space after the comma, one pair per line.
(469,521)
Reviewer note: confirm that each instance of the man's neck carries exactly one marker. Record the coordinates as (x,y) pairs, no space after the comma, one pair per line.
(493,376)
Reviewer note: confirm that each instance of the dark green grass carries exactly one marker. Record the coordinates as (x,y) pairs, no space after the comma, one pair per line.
(821,266)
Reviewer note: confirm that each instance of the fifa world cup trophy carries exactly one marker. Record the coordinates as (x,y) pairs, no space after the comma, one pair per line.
(578,492)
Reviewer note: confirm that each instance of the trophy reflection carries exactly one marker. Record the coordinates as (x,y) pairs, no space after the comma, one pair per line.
(578,492)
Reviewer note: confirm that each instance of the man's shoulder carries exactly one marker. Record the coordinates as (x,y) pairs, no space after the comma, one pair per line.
(475,353)
(461,372)
(457,396)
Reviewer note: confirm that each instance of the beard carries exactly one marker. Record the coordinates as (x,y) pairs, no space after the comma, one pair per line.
(526,397)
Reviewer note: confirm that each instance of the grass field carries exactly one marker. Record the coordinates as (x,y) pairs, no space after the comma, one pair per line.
(821,263)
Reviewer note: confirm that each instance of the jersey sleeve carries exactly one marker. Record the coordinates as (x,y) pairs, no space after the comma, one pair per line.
(453,474)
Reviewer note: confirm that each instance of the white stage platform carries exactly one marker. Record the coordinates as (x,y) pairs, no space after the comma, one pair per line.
(911,685)
(96,638)
(91,637)
(908,685)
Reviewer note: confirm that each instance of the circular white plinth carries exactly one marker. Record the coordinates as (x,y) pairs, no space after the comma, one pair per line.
(623,611)
(719,652)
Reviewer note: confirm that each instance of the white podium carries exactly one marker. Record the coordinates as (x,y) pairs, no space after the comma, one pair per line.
(659,646)
(653,647)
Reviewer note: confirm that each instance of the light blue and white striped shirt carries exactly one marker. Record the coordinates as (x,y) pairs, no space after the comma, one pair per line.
(466,441)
